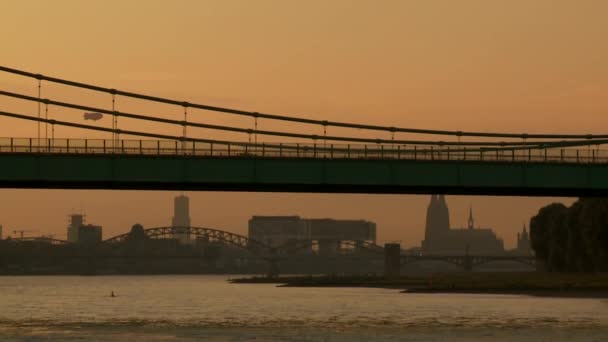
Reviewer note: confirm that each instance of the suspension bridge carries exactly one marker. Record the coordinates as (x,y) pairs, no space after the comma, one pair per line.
(363,158)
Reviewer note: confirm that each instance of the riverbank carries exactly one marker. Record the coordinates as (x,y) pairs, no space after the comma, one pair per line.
(525,283)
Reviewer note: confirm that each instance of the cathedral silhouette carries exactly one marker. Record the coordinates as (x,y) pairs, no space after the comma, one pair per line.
(440,239)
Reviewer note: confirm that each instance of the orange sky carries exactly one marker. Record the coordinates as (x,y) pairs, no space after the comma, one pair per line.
(522,66)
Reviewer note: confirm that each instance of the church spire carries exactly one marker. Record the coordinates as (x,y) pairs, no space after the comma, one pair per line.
(471,222)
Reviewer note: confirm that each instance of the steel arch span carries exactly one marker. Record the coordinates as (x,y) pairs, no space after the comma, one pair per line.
(240,241)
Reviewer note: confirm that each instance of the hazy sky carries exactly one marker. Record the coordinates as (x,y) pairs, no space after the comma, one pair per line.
(521,66)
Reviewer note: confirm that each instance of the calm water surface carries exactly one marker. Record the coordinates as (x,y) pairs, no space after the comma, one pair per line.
(193,308)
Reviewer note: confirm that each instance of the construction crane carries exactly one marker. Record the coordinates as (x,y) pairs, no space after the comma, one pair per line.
(21,231)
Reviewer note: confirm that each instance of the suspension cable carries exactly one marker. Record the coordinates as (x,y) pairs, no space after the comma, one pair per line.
(324,135)
(574,143)
(275,133)
(39,103)
(287,118)
(185,128)
(255,129)
(114,122)
(46,117)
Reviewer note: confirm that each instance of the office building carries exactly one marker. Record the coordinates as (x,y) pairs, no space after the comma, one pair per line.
(181,218)
(81,233)
(76,221)
(279,230)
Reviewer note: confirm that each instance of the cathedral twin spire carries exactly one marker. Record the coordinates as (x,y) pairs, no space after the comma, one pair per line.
(438,216)
(440,239)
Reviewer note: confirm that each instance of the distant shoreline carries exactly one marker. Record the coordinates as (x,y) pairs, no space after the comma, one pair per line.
(531,283)
(578,293)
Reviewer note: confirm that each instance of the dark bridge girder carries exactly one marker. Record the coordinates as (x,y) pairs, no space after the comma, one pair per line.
(468,262)
(274,174)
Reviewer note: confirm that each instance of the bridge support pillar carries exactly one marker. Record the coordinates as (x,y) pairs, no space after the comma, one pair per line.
(392,260)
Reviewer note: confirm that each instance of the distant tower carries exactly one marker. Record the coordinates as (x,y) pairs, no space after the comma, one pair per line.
(181,217)
(471,222)
(437,222)
(430,218)
(443,213)
(76,221)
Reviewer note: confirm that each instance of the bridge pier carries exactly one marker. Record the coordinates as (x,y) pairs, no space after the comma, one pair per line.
(392,260)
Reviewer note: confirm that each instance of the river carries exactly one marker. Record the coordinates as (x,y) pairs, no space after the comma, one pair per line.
(194,308)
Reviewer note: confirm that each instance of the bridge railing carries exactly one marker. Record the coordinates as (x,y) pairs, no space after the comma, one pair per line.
(294,150)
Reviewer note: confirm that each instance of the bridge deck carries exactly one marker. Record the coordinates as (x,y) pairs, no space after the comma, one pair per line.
(94,164)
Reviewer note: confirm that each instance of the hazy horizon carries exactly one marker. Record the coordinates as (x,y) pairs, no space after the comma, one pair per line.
(118,210)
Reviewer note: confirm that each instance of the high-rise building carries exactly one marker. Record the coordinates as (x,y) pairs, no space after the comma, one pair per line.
(440,239)
(81,233)
(277,230)
(181,218)
(76,220)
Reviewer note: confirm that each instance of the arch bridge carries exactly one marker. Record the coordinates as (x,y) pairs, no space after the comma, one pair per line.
(272,255)
(208,234)
(240,241)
